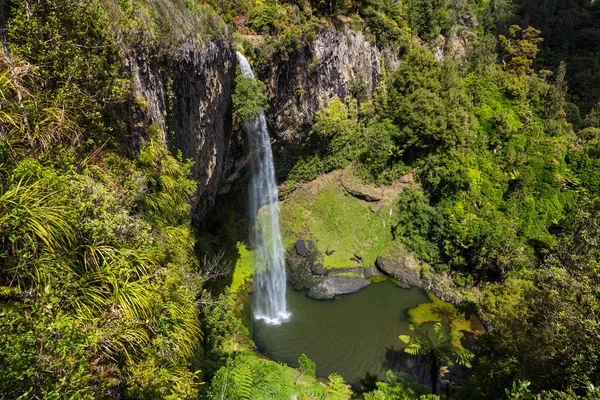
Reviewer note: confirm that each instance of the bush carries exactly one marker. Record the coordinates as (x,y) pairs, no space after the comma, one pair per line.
(307,366)
(249,99)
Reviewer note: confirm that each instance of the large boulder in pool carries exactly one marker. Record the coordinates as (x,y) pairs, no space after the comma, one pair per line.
(330,286)
(404,269)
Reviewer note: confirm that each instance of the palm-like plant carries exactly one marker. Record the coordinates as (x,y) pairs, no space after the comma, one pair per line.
(439,351)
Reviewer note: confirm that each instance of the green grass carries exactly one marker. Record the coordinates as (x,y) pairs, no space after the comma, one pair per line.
(243,269)
(340,222)
(352,274)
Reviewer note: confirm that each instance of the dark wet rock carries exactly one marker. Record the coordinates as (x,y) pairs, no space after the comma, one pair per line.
(331,286)
(310,245)
(301,248)
(329,252)
(299,273)
(403,269)
(318,269)
(370,272)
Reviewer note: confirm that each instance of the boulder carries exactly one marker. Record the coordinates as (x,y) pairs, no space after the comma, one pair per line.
(318,269)
(301,248)
(404,269)
(370,272)
(331,286)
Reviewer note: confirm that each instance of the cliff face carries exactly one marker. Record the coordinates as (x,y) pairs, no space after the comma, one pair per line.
(339,63)
(188,96)
(202,117)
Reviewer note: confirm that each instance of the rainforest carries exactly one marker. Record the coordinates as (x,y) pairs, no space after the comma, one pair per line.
(300,199)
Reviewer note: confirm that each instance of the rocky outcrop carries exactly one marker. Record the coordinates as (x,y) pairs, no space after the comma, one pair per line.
(338,63)
(404,269)
(331,286)
(187,94)
(202,117)
(305,270)
(407,270)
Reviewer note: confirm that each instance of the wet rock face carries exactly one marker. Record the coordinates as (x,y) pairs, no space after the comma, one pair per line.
(339,63)
(188,96)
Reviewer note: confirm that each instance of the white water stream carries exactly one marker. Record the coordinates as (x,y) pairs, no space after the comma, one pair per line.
(269,271)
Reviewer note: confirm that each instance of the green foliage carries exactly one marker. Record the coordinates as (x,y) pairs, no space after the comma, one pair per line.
(97,267)
(243,269)
(417,223)
(395,388)
(439,311)
(592,120)
(374,159)
(246,376)
(439,350)
(428,103)
(222,322)
(67,62)
(249,99)
(168,187)
(307,366)
(520,48)
(428,18)
(262,17)
(337,388)
(337,126)
(521,391)
(99,271)
(559,314)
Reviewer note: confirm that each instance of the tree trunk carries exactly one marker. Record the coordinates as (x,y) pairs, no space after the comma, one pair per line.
(434,372)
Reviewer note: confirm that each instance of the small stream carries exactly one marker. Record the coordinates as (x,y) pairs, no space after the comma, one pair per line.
(351,335)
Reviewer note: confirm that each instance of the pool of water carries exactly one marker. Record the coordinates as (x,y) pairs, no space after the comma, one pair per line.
(351,335)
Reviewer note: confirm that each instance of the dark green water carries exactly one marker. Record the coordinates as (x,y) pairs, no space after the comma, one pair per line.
(351,335)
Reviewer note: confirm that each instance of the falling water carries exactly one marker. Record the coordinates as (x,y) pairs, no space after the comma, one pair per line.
(269,278)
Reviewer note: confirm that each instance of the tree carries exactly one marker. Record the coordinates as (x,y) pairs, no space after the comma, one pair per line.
(443,349)
(592,120)
(249,99)
(215,267)
(546,321)
(520,48)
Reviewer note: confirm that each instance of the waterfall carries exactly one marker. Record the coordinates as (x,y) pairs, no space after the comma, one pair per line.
(269,276)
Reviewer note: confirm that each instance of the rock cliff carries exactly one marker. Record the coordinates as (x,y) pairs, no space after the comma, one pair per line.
(338,63)
(188,96)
